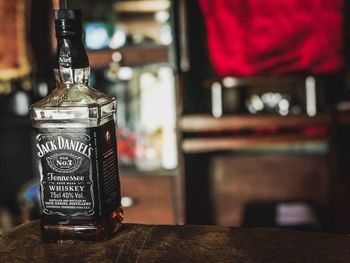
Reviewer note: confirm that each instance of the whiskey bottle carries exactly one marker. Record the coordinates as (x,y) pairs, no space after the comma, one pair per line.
(75,146)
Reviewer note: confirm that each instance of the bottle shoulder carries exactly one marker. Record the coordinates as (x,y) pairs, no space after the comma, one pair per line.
(76,103)
(77,95)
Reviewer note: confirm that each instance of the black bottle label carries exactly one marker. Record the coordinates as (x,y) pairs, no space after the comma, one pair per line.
(78,171)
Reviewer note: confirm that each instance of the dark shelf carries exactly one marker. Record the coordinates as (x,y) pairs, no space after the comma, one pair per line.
(266,81)
(279,81)
(132,171)
(139,6)
(206,145)
(131,56)
(207,123)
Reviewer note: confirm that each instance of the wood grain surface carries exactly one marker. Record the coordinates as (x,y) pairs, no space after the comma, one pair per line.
(151,243)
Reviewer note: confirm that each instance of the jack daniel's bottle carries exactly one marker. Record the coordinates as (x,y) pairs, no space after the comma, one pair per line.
(75,147)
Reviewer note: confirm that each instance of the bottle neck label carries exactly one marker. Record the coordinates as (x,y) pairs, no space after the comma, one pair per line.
(71,53)
(72,61)
(65,59)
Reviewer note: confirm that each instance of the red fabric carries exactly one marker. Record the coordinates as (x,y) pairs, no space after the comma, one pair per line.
(274,37)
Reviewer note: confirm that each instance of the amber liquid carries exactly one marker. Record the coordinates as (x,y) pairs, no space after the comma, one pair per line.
(67,230)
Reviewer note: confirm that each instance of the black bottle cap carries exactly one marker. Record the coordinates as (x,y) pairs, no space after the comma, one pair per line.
(68,22)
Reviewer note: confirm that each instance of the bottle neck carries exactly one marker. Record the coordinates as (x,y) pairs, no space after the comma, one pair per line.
(72,64)
(69,76)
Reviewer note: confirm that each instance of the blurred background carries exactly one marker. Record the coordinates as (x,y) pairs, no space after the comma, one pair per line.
(231,112)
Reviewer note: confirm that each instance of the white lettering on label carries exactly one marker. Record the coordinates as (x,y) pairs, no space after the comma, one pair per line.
(69,188)
(64,144)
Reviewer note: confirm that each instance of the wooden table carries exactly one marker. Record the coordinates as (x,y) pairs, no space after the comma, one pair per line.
(151,243)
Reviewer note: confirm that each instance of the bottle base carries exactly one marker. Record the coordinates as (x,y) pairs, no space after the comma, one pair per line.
(68,231)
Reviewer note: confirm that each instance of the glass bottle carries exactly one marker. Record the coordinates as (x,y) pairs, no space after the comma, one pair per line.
(75,146)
